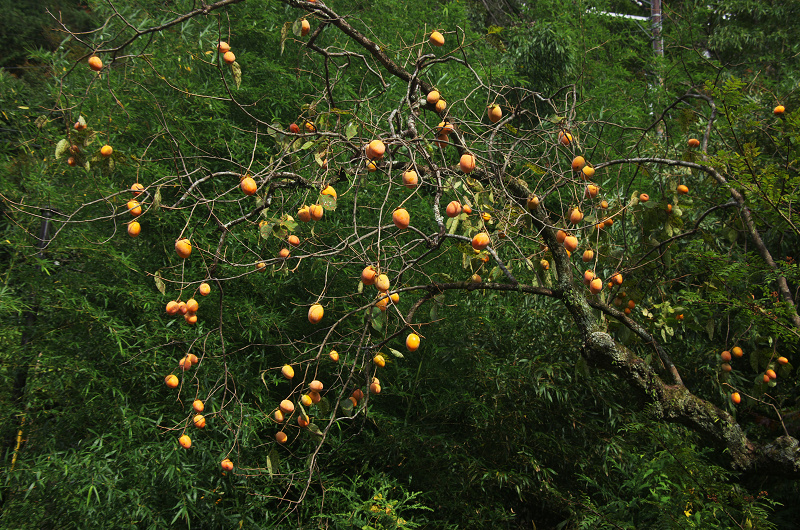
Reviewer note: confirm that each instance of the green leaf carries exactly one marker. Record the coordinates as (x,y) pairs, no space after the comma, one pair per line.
(236,70)
(396,353)
(710,328)
(273,462)
(61,147)
(297,27)
(157,199)
(160,283)
(327,202)
(313,429)
(347,406)
(350,130)
(287,27)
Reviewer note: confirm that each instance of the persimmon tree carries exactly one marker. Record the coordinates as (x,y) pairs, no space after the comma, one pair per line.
(394,193)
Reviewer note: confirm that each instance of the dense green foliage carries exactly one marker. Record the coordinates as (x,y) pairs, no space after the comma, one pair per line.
(497,421)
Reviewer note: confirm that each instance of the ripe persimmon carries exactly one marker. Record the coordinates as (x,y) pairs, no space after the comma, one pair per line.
(725,356)
(315,313)
(316,386)
(437,39)
(334,356)
(587,172)
(286,406)
(571,243)
(248,185)
(433,97)
(134,229)
(578,163)
(588,255)
(382,302)
(284,253)
(136,188)
(467,163)
(410,179)
(305,399)
(644,197)
(596,286)
(293,240)
(444,128)
(368,275)
(401,218)
(95,63)
(185,441)
(780,109)
(575,216)
(736,398)
(453,209)
(375,388)
(184,248)
(694,142)
(134,207)
(199,421)
(375,150)
(172,381)
(185,364)
(198,405)
(533,202)
(281,437)
(495,113)
(737,351)
(328,190)
(441,105)
(480,241)
(304,214)
(229,57)
(412,342)
(223,47)
(379,361)
(316,212)
(305,27)
(382,283)
(227,465)
(564,138)
(683,189)
(287,371)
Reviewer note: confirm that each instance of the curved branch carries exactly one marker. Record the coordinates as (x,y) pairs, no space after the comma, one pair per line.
(746,214)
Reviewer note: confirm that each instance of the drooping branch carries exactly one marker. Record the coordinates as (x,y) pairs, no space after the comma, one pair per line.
(745,212)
